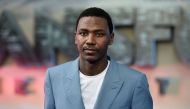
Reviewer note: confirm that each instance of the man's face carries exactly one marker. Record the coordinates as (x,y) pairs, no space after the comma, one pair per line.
(92,38)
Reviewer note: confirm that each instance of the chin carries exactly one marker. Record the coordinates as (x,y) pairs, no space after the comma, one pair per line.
(91,60)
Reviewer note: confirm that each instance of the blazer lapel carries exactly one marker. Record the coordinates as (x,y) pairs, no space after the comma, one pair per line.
(110,88)
(73,90)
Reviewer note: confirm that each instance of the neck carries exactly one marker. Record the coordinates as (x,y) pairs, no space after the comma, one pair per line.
(92,68)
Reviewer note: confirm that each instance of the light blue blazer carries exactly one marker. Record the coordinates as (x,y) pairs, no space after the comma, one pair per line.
(122,88)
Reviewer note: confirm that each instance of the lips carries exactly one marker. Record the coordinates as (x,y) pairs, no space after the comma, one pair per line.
(90,50)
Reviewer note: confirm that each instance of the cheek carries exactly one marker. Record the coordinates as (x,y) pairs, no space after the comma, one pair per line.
(105,43)
(77,41)
(79,44)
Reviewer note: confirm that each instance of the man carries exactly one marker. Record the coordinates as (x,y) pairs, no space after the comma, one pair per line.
(94,80)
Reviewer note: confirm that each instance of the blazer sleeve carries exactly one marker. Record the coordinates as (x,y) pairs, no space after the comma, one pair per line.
(142,98)
(49,102)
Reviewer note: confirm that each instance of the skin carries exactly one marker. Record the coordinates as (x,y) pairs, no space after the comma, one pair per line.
(92,39)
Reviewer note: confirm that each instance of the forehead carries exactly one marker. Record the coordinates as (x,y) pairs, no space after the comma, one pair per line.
(92,22)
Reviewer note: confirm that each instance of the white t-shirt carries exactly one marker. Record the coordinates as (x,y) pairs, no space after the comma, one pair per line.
(90,87)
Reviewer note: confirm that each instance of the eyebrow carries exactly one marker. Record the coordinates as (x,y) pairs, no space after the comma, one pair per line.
(83,29)
(97,30)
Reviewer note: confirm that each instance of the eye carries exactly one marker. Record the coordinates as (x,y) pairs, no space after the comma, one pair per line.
(100,34)
(83,33)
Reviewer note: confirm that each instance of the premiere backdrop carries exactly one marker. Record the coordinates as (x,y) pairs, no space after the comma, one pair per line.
(152,36)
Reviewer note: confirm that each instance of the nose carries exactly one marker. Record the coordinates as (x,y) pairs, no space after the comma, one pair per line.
(90,40)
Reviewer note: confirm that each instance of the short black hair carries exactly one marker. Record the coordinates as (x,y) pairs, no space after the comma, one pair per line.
(98,12)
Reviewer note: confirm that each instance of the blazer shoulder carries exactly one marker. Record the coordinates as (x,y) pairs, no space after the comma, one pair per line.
(66,67)
(132,77)
(126,72)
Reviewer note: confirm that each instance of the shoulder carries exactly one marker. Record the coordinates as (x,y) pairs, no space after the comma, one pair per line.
(127,73)
(131,77)
(62,69)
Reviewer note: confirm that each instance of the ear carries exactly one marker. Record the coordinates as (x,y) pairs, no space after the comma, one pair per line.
(111,38)
(75,37)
